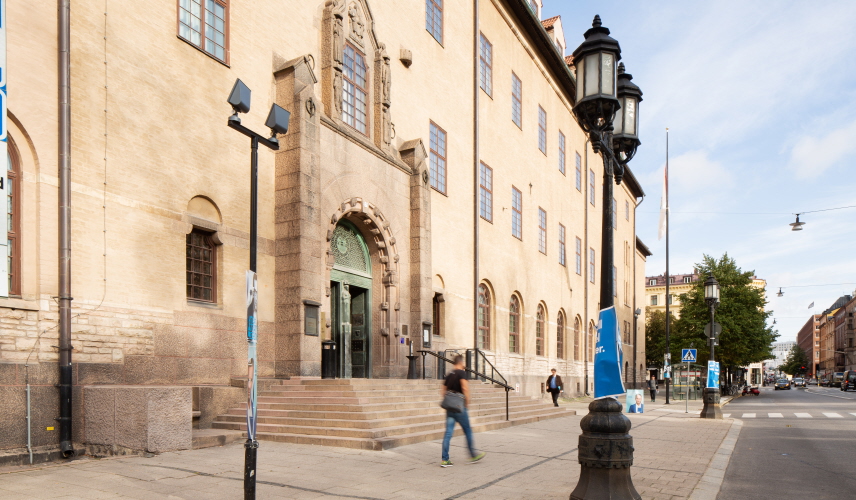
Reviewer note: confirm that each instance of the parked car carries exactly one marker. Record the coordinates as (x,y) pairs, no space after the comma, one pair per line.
(824,382)
(837,377)
(783,384)
(811,381)
(848,381)
(799,382)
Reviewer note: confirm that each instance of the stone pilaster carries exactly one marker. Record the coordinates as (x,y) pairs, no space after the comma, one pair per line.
(300,248)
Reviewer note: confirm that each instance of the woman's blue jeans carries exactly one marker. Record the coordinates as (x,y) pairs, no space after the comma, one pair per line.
(463,419)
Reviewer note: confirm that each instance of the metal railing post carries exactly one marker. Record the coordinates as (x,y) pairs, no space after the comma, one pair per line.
(506,404)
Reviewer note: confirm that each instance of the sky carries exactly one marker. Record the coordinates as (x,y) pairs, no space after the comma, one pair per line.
(760,102)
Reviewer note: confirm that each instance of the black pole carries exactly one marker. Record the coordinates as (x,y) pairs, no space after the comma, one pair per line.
(607,279)
(251,446)
(668,279)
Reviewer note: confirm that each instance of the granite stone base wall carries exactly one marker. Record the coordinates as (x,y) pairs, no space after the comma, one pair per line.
(145,418)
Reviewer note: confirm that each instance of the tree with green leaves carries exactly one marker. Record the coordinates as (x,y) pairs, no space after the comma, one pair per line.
(745,336)
(655,336)
(796,363)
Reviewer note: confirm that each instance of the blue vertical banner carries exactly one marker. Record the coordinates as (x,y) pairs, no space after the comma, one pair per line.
(712,374)
(252,353)
(608,356)
(4,155)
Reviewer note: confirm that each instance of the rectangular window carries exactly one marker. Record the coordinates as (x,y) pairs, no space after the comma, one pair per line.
(652,282)
(201,266)
(591,187)
(591,265)
(486,192)
(542,231)
(626,210)
(542,130)
(209,35)
(354,93)
(561,244)
(614,281)
(516,100)
(688,279)
(516,213)
(579,248)
(579,179)
(670,297)
(485,63)
(434,18)
(614,214)
(653,300)
(437,159)
(561,152)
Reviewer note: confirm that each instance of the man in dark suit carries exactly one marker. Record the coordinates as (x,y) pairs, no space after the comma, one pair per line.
(554,386)
(638,407)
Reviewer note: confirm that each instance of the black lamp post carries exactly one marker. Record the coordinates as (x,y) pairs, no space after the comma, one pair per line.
(711,394)
(603,91)
(277,122)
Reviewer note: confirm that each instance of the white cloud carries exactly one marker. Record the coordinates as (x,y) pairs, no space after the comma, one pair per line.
(813,155)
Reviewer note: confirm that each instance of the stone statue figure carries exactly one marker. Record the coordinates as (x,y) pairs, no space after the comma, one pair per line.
(385,76)
(387,126)
(357,24)
(337,92)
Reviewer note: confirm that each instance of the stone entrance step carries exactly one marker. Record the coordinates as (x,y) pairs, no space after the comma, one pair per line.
(374,414)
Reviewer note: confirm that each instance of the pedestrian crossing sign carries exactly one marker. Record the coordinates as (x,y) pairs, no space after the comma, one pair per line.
(688,355)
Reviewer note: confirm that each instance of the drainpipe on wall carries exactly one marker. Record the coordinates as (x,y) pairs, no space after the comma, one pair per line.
(476,174)
(586,267)
(64,62)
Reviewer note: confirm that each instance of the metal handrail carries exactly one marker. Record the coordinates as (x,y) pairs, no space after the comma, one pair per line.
(492,368)
(476,373)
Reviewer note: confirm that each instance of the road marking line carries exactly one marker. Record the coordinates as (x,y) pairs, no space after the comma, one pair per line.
(748,415)
(803,415)
(833,415)
(726,415)
(854,414)
(775,415)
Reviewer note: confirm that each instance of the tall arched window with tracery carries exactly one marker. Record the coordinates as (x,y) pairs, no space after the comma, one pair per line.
(514,325)
(591,338)
(484,318)
(560,336)
(577,325)
(13,219)
(540,326)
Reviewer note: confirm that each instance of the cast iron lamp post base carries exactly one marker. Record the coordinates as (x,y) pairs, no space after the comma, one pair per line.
(605,454)
(711,403)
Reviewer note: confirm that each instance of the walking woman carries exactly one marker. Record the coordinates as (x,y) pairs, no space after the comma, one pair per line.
(456,382)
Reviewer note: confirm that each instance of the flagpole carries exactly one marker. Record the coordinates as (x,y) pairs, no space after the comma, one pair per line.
(668,344)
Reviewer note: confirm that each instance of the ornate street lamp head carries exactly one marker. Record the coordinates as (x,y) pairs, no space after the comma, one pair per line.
(711,290)
(797,226)
(625,137)
(596,99)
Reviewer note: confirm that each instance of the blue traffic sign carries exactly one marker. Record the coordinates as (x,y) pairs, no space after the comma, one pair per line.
(688,355)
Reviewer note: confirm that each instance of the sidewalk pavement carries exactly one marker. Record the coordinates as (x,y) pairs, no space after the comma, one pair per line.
(677,455)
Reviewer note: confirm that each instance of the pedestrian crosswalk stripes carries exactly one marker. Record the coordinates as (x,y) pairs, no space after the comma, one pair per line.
(803,415)
(775,415)
(832,415)
(748,415)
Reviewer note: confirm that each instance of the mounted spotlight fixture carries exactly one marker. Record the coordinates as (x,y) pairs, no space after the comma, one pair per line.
(239,98)
(797,226)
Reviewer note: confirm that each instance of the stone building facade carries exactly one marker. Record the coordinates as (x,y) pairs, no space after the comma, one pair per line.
(808,338)
(408,165)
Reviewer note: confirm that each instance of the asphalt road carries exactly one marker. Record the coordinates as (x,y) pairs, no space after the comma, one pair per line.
(798,443)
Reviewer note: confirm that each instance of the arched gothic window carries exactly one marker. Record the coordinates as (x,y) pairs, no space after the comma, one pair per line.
(540,318)
(560,336)
(484,318)
(514,325)
(576,339)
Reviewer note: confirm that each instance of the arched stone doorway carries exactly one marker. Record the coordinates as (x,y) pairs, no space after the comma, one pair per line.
(350,301)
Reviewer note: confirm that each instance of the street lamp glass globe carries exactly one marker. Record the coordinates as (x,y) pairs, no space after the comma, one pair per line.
(595,64)
(711,289)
